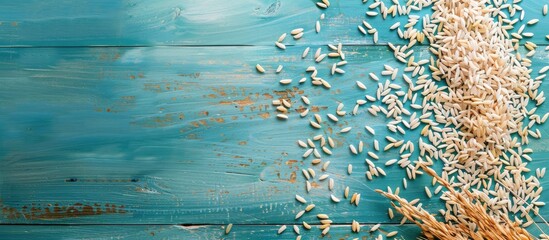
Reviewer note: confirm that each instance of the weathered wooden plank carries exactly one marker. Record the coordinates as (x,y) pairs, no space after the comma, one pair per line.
(406,231)
(209,22)
(184,135)
(40,232)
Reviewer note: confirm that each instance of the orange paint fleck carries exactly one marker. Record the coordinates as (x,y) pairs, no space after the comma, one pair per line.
(265,115)
(290,162)
(292,177)
(242,102)
(219,120)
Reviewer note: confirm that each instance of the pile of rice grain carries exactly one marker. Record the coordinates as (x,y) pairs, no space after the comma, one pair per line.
(486,102)
(476,108)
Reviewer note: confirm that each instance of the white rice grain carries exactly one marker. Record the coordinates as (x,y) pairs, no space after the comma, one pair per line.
(296,229)
(281,229)
(285,81)
(280,45)
(259,68)
(361,85)
(297,31)
(300,199)
(228,228)
(299,214)
(375,227)
(305,52)
(346,130)
(349,169)
(279,68)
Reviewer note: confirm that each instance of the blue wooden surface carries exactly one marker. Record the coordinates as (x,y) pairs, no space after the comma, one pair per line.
(143,133)
(207,22)
(200,232)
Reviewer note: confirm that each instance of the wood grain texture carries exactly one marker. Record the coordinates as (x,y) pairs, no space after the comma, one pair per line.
(183,135)
(151,114)
(195,232)
(199,232)
(207,22)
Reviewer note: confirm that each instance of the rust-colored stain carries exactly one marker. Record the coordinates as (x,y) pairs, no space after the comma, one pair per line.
(204,113)
(242,143)
(219,120)
(289,93)
(242,102)
(290,162)
(152,87)
(318,108)
(267,96)
(293,177)
(57,211)
(243,164)
(315,185)
(14,24)
(220,91)
(163,86)
(300,109)
(163,120)
(234,117)
(264,115)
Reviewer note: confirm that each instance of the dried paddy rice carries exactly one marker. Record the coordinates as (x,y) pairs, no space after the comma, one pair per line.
(472,222)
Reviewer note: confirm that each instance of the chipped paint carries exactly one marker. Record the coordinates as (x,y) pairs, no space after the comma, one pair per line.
(58,211)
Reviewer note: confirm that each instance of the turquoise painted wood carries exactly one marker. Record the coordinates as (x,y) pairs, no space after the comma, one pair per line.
(178,135)
(195,232)
(199,232)
(207,22)
(144,133)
